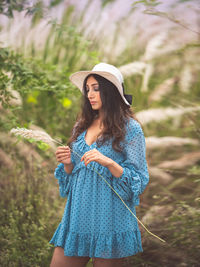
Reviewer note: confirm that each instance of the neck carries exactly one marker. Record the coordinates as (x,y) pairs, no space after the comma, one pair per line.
(99,118)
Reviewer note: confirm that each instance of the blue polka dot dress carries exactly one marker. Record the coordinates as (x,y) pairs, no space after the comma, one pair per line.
(95,222)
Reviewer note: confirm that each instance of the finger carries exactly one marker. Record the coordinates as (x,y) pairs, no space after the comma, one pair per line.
(86,155)
(63,147)
(63,157)
(61,160)
(66,147)
(62,151)
(83,157)
(89,153)
(93,152)
(88,160)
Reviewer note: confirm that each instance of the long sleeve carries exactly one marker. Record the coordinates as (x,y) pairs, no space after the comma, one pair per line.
(64,180)
(135,171)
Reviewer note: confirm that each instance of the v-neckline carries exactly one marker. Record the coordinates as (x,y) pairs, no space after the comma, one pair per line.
(85,132)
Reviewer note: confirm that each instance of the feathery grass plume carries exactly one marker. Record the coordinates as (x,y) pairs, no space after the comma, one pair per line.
(168,141)
(23,150)
(42,136)
(189,159)
(160,114)
(34,134)
(162,89)
(136,67)
(153,46)
(186,79)
(146,77)
(161,175)
(115,18)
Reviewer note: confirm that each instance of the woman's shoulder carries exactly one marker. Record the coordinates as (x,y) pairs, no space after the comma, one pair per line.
(133,130)
(133,126)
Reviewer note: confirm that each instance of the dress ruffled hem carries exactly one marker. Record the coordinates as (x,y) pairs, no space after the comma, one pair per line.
(100,245)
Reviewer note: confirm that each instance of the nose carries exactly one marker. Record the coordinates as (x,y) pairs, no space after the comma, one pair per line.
(91,94)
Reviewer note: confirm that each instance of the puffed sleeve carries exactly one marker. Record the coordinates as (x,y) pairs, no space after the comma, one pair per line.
(64,180)
(135,171)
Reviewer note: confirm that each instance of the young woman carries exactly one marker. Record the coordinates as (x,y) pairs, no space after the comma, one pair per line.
(107,147)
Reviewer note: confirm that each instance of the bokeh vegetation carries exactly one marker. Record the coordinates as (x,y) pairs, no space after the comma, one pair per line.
(161,73)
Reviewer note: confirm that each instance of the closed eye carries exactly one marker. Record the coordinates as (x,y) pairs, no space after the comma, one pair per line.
(95,89)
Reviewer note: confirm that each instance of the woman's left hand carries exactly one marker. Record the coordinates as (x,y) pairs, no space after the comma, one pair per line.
(95,155)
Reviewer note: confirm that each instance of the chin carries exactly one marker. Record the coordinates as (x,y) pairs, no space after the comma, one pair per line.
(96,108)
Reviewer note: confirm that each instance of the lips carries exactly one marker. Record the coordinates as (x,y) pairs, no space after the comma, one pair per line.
(92,103)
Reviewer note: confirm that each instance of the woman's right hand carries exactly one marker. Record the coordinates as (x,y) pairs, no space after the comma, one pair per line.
(63,155)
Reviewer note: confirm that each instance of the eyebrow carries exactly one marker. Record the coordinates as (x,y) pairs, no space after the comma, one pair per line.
(92,84)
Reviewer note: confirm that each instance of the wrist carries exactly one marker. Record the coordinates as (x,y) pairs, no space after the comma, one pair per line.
(68,168)
(114,168)
(68,164)
(110,163)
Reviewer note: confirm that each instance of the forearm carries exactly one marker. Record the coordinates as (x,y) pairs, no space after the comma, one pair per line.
(68,168)
(114,168)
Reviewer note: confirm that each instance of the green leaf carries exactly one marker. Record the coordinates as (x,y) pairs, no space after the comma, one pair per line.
(43,146)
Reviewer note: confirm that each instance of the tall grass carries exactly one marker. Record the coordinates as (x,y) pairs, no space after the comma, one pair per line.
(28,217)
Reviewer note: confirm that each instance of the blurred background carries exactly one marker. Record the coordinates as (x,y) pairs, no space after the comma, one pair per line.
(156,45)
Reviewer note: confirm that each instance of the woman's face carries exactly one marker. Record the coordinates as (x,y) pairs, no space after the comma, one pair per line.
(93,93)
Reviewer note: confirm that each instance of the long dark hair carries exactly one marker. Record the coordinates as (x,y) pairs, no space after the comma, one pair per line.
(115,114)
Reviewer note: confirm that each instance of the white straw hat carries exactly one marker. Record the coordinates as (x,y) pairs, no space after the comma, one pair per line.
(107,71)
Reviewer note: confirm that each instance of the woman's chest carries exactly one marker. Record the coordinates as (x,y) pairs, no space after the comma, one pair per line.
(92,134)
(80,146)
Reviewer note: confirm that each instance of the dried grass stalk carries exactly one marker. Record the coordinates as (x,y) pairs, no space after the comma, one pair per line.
(160,114)
(162,89)
(136,67)
(35,134)
(168,141)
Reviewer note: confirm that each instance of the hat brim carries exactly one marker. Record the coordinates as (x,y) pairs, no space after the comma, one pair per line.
(78,78)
